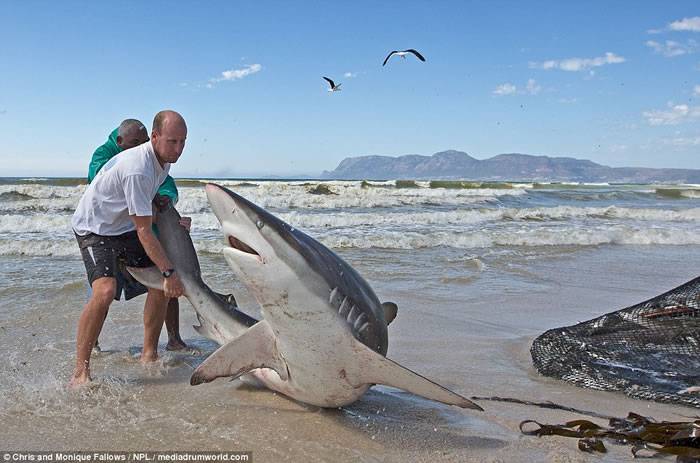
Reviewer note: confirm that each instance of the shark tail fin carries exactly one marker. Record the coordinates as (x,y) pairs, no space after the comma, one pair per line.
(378,369)
(390,311)
(148,276)
(256,348)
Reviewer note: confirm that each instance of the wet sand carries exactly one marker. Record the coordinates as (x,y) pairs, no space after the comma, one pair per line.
(466,325)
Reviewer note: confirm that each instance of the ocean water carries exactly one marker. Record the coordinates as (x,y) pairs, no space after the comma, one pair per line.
(477,269)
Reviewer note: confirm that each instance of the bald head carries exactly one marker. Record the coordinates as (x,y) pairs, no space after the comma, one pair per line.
(131,133)
(165,118)
(168,136)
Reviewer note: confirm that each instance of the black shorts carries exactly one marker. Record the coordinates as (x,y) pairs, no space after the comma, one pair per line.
(108,256)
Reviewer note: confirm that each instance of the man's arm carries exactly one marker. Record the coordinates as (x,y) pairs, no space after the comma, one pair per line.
(172,286)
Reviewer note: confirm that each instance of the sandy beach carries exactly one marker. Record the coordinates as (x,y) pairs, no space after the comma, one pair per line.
(473,338)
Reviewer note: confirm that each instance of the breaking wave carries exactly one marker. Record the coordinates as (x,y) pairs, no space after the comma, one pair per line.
(15,196)
(35,214)
(23,223)
(364,237)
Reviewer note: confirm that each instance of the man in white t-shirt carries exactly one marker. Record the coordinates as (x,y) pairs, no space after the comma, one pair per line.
(112,224)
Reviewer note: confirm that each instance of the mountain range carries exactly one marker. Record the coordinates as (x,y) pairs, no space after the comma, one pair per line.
(453,164)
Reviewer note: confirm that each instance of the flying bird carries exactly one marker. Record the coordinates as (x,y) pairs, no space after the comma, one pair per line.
(403,54)
(334,87)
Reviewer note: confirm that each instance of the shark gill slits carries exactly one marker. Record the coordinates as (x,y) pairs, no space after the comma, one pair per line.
(359,321)
(345,307)
(336,297)
(240,245)
(351,314)
(348,310)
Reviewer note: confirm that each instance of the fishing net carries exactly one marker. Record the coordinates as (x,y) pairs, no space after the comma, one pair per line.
(648,351)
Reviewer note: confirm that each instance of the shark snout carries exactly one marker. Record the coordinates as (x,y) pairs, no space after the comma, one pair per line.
(244,225)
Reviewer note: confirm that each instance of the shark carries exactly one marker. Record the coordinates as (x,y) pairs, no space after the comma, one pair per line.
(323,338)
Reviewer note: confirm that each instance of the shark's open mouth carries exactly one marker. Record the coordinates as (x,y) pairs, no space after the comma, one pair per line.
(235,243)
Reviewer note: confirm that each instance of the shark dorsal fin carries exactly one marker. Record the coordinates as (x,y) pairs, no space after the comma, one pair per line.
(390,310)
(256,348)
(377,369)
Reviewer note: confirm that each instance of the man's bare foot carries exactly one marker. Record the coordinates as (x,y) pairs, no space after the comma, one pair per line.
(79,380)
(176,344)
(148,358)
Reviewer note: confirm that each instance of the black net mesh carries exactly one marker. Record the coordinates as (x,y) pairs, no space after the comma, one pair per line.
(649,351)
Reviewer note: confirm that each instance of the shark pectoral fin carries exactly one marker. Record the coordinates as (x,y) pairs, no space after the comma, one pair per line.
(390,310)
(148,276)
(380,370)
(256,348)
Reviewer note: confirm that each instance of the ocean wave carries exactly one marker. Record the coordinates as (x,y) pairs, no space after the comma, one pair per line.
(609,212)
(43,192)
(15,196)
(460,184)
(574,185)
(339,196)
(60,223)
(49,181)
(369,237)
(679,193)
(39,247)
(601,195)
(527,238)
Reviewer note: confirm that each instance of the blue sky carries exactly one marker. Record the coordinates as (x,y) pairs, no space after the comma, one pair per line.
(614,82)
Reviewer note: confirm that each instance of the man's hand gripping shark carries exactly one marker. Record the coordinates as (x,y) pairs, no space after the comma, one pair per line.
(323,338)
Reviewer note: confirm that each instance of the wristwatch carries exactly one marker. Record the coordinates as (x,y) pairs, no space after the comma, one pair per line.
(168,272)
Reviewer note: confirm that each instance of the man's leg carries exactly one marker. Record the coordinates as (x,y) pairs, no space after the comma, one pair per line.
(153,317)
(172,324)
(89,326)
(97,340)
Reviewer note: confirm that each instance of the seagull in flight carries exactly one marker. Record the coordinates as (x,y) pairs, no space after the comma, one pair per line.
(334,87)
(403,54)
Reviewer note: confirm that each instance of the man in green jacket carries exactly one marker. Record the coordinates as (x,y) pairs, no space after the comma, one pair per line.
(129,134)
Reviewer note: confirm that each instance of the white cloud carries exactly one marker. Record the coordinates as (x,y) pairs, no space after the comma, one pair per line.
(618,148)
(686,24)
(505,89)
(674,115)
(235,74)
(682,141)
(671,48)
(568,100)
(696,90)
(350,75)
(532,88)
(579,64)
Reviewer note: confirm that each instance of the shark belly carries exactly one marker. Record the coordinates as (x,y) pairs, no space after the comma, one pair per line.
(322,364)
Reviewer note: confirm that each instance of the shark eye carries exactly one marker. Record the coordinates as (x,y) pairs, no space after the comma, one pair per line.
(259,224)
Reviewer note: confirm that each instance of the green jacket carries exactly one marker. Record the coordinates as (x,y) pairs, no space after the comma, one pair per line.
(110,149)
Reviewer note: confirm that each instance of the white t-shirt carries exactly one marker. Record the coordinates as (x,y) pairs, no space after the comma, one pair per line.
(124,186)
